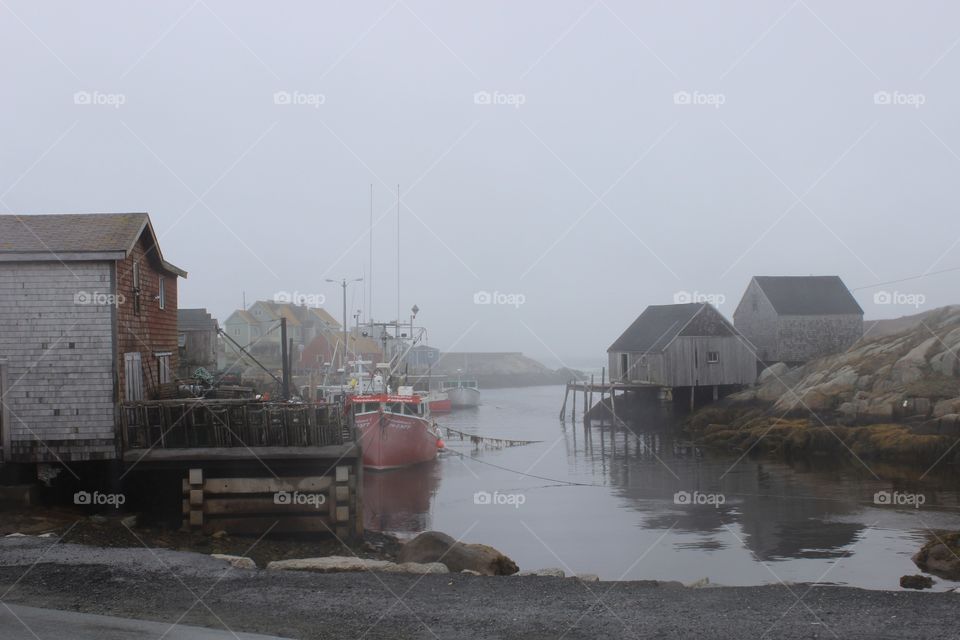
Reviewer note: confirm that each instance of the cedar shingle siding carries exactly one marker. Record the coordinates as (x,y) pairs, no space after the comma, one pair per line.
(797,319)
(64,328)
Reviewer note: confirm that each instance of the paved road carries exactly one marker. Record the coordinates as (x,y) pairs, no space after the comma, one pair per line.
(29,623)
(165,586)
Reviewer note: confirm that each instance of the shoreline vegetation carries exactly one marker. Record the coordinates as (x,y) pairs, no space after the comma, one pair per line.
(893,397)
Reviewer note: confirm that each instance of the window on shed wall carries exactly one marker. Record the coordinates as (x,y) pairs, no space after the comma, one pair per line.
(136,287)
(713,357)
(163,367)
(161,292)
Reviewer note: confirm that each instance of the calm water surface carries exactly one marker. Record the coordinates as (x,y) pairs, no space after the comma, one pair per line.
(797,522)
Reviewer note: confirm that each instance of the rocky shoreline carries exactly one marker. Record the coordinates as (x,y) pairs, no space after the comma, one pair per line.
(894,397)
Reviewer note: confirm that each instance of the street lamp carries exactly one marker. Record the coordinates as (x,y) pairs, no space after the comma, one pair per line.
(343,282)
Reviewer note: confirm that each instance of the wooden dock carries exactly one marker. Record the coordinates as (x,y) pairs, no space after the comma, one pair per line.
(586,389)
(248,467)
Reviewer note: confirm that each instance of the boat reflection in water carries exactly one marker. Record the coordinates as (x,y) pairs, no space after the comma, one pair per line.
(398,500)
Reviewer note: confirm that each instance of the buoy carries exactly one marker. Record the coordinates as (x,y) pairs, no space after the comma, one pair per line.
(440,444)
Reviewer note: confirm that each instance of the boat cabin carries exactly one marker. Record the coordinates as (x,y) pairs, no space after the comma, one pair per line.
(405,405)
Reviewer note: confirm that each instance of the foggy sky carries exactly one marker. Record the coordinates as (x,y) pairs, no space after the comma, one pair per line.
(592,191)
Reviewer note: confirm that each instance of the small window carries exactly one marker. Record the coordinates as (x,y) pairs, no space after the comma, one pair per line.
(136,287)
(163,367)
(161,293)
(713,357)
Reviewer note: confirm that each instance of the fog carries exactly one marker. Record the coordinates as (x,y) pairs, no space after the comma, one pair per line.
(582,160)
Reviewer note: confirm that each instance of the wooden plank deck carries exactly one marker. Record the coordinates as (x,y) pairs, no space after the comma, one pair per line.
(347,451)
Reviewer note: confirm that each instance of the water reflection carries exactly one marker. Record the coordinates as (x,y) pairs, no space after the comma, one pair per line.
(399,500)
(616,486)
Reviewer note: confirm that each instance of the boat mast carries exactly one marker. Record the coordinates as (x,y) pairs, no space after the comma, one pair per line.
(370,273)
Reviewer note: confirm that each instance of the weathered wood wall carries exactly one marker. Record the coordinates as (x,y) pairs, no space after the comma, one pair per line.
(57,337)
(153,330)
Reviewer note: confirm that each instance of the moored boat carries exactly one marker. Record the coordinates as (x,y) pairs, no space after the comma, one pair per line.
(394,430)
(438,401)
(462,393)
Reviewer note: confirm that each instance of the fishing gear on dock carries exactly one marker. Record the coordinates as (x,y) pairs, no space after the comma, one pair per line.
(482,441)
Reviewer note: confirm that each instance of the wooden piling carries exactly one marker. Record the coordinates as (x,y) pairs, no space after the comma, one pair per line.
(586,407)
(590,401)
(563,409)
(573,413)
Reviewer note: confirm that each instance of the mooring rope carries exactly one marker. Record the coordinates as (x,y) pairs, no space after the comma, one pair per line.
(524,473)
(497,443)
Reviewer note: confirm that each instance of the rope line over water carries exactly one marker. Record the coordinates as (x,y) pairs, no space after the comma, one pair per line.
(496,443)
(523,473)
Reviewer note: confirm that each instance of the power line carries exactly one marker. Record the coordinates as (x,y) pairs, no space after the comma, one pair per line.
(922,275)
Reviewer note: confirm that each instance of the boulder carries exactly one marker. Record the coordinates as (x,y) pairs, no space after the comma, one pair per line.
(774,371)
(237,562)
(329,564)
(699,584)
(551,572)
(417,568)
(946,407)
(940,557)
(433,546)
(587,577)
(916,582)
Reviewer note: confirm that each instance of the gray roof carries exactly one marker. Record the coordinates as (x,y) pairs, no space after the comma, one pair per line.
(195,320)
(808,295)
(656,327)
(75,236)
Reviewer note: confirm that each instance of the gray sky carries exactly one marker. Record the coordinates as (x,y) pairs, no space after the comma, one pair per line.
(587,185)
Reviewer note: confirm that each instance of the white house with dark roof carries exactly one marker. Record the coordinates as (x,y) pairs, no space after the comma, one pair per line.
(682,346)
(794,319)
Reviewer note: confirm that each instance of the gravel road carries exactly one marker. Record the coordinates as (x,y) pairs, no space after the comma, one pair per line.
(170,586)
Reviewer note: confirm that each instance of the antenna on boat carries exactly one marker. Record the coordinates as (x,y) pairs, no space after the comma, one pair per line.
(398,260)
(370,274)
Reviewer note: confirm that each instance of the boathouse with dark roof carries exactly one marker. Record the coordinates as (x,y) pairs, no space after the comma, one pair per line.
(683,347)
(794,319)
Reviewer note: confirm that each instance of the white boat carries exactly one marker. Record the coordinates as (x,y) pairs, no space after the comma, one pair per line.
(462,393)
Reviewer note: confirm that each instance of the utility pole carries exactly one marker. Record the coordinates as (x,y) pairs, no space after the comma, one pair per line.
(284,357)
(343,282)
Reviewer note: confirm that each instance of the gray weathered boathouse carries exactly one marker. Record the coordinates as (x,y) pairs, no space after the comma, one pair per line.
(794,319)
(688,348)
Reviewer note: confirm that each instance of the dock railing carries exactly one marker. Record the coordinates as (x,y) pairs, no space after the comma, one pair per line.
(188,423)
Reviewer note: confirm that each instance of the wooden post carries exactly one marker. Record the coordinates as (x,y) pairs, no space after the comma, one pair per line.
(194,499)
(284,359)
(563,409)
(590,401)
(716,393)
(603,386)
(573,413)
(585,405)
(693,398)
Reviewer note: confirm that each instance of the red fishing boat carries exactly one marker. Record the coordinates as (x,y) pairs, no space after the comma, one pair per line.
(394,430)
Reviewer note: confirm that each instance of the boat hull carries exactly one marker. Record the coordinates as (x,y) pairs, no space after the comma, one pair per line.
(464,397)
(440,405)
(391,441)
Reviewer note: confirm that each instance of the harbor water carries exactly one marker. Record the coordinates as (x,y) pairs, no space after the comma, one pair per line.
(644,503)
